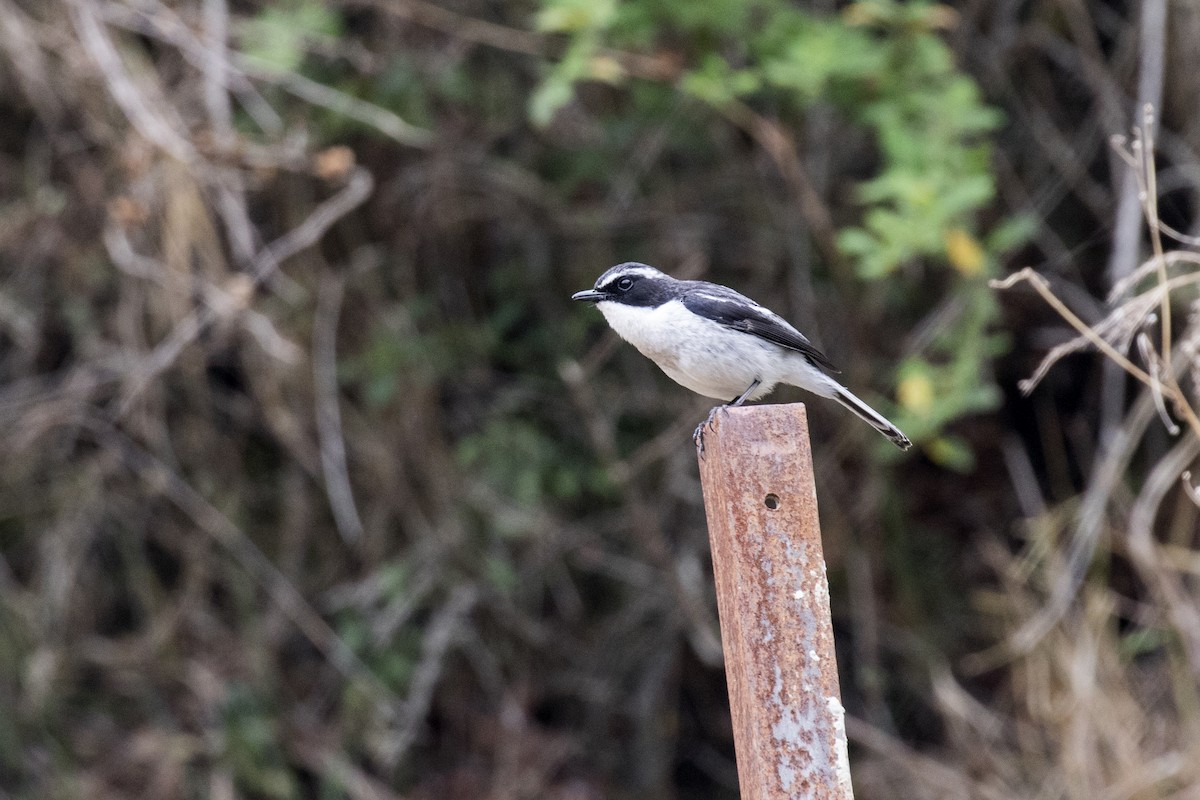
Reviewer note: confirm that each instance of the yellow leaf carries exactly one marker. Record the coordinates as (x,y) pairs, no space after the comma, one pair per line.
(941,17)
(568,16)
(562,20)
(861,14)
(915,393)
(964,252)
(606,69)
(951,453)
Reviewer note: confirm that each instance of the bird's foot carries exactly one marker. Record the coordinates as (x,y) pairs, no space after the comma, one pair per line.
(698,434)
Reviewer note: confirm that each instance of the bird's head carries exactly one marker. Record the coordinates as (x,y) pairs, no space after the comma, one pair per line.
(631,284)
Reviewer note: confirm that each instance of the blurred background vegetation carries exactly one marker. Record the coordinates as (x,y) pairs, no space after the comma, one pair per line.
(314,483)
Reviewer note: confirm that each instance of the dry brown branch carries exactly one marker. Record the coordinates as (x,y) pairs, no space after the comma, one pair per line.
(358,188)
(224,70)
(1154,363)
(144,114)
(1127,317)
(1152,266)
(1140,158)
(945,781)
(223,302)
(1132,198)
(439,636)
(210,57)
(216,79)
(1125,323)
(778,144)
(1040,285)
(19,43)
(1179,603)
(159,478)
(266,262)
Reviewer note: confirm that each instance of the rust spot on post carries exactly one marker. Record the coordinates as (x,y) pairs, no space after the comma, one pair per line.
(773,598)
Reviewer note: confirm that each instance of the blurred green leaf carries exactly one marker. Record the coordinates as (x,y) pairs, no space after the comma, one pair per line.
(500,574)
(1141,641)
(1011,233)
(950,452)
(715,83)
(818,53)
(572,16)
(252,747)
(558,87)
(554,93)
(279,34)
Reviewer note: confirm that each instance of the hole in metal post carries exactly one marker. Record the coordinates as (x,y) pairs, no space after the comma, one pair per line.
(772,501)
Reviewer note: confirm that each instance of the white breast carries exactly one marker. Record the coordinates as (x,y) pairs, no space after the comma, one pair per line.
(697,353)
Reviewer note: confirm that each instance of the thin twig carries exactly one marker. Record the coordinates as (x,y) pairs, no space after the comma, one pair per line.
(19,44)
(318,94)
(778,145)
(304,235)
(1146,554)
(216,98)
(1152,265)
(948,781)
(158,21)
(1192,490)
(138,109)
(1152,360)
(1027,275)
(1171,389)
(441,632)
(357,189)
(161,478)
(1126,235)
(328,412)
(1150,206)
(1179,236)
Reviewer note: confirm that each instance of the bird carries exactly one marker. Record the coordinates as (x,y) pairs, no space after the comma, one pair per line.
(717,342)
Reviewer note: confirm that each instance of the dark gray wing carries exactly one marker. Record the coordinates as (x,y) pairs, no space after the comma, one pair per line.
(738,312)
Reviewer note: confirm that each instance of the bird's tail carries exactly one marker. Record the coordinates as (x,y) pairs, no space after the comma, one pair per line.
(871,417)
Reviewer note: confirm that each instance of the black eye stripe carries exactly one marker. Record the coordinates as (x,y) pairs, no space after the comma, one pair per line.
(641,288)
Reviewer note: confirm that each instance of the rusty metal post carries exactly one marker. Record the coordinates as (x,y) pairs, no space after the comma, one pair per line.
(773,599)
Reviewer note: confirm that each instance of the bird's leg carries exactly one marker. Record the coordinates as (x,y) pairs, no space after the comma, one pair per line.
(698,434)
(749,391)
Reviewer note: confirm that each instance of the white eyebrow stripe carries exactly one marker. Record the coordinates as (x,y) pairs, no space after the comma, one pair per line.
(642,272)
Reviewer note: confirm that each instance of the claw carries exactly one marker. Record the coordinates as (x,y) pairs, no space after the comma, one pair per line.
(698,434)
